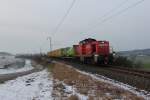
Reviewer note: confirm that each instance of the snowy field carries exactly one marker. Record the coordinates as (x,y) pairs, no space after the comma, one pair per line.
(8,60)
(35,86)
(12,69)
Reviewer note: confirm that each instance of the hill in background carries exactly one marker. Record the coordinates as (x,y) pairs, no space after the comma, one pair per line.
(5,54)
(141,56)
(140,52)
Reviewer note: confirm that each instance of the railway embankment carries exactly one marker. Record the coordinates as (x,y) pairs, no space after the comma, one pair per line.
(70,83)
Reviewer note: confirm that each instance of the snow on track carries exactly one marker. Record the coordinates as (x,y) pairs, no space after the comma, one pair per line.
(35,86)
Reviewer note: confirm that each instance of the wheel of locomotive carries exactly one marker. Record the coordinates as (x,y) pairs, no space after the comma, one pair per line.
(100,60)
(106,60)
(85,60)
(93,60)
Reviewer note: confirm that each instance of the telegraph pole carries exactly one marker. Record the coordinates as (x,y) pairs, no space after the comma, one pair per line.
(50,43)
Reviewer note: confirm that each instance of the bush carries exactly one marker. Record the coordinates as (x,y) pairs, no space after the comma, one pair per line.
(138,64)
(123,61)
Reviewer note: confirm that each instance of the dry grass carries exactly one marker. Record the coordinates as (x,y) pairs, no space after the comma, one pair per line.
(90,98)
(73,97)
(88,86)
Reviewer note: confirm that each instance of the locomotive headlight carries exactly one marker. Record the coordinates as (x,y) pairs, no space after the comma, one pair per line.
(96,55)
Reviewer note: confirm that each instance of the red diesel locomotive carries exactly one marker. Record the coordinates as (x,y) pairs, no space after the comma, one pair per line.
(91,50)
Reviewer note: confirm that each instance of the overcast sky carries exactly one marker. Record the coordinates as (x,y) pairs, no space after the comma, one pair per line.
(25,24)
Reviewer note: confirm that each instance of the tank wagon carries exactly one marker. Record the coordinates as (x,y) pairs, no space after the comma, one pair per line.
(88,50)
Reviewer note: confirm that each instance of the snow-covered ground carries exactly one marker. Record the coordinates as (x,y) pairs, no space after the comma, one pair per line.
(62,91)
(8,60)
(35,86)
(72,90)
(9,70)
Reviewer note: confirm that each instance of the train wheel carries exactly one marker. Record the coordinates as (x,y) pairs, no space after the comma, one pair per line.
(105,62)
(92,61)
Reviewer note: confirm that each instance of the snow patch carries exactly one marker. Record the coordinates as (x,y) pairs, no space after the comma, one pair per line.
(72,90)
(8,60)
(35,86)
(27,67)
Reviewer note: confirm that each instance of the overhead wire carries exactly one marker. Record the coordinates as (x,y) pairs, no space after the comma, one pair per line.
(62,20)
(116,14)
(113,9)
(64,17)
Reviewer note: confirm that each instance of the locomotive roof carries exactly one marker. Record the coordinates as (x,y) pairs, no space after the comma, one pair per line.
(87,40)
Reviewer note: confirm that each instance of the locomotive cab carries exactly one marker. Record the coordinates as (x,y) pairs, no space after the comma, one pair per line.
(103,52)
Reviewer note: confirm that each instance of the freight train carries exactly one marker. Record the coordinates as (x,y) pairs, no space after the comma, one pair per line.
(88,50)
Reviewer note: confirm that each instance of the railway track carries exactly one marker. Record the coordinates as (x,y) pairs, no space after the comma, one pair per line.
(119,69)
(136,72)
(136,78)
